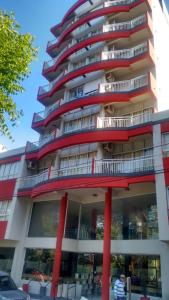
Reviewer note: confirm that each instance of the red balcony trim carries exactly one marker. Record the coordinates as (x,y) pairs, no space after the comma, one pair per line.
(89,69)
(94,99)
(87,182)
(7,189)
(106,135)
(166,170)
(98,13)
(165,127)
(98,38)
(10,159)
(3,226)
(106,64)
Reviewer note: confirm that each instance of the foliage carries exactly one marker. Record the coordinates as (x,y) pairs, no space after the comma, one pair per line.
(16,53)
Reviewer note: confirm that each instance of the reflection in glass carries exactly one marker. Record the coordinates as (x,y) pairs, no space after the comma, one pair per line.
(6,258)
(44,219)
(144,272)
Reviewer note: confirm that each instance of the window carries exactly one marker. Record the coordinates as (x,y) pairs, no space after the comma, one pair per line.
(76,92)
(38,264)
(44,220)
(6,258)
(4,210)
(165,142)
(81,123)
(8,171)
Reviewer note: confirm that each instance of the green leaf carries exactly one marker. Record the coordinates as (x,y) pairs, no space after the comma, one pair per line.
(16,54)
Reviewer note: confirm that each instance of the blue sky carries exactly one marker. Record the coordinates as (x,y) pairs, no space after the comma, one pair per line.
(36,17)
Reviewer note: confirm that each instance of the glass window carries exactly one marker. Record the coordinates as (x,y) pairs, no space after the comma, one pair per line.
(92,221)
(44,219)
(165,142)
(4,210)
(38,264)
(6,258)
(9,170)
(72,220)
(135,218)
(144,272)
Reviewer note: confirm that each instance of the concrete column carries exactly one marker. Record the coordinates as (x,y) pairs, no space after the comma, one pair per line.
(160,185)
(107,245)
(165,270)
(58,252)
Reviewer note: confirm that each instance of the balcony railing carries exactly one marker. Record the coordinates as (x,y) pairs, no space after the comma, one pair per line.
(102,122)
(105,28)
(125,25)
(108,167)
(108,55)
(125,85)
(48,87)
(125,53)
(116,122)
(118,2)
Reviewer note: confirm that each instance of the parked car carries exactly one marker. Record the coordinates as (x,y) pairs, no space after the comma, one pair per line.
(9,290)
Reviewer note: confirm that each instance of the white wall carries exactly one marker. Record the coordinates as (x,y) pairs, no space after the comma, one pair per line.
(161,44)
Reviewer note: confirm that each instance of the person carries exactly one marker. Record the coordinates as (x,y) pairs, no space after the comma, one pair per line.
(119,288)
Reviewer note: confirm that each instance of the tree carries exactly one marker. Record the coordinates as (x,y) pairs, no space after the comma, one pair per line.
(16,54)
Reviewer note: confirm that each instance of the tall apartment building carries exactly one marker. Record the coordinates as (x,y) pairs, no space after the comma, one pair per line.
(90,199)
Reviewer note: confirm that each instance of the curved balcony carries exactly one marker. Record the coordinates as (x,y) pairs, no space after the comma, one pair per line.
(103,131)
(123,54)
(115,172)
(93,65)
(107,8)
(122,91)
(118,30)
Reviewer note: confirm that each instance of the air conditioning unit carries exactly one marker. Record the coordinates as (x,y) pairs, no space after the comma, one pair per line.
(32,165)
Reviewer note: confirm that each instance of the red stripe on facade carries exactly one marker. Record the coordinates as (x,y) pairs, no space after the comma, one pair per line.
(89,137)
(87,182)
(166,170)
(3,226)
(10,160)
(104,98)
(78,4)
(98,38)
(165,127)
(7,189)
(96,14)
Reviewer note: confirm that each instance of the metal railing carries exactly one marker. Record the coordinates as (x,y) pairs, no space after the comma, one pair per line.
(106,55)
(42,115)
(125,53)
(105,28)
(125,85)
(125,25)
(110,167)
(105,122)
(118,2)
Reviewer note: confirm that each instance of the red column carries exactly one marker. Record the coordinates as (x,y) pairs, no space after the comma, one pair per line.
(106,246)
(58,253)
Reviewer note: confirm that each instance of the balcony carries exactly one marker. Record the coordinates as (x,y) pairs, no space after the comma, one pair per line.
(101,123)
(98,33)
(105,55)
(106,8)
(123,122)
(125,85)
(104,167)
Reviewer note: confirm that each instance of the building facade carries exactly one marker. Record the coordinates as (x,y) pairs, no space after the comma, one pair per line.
(90,199)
